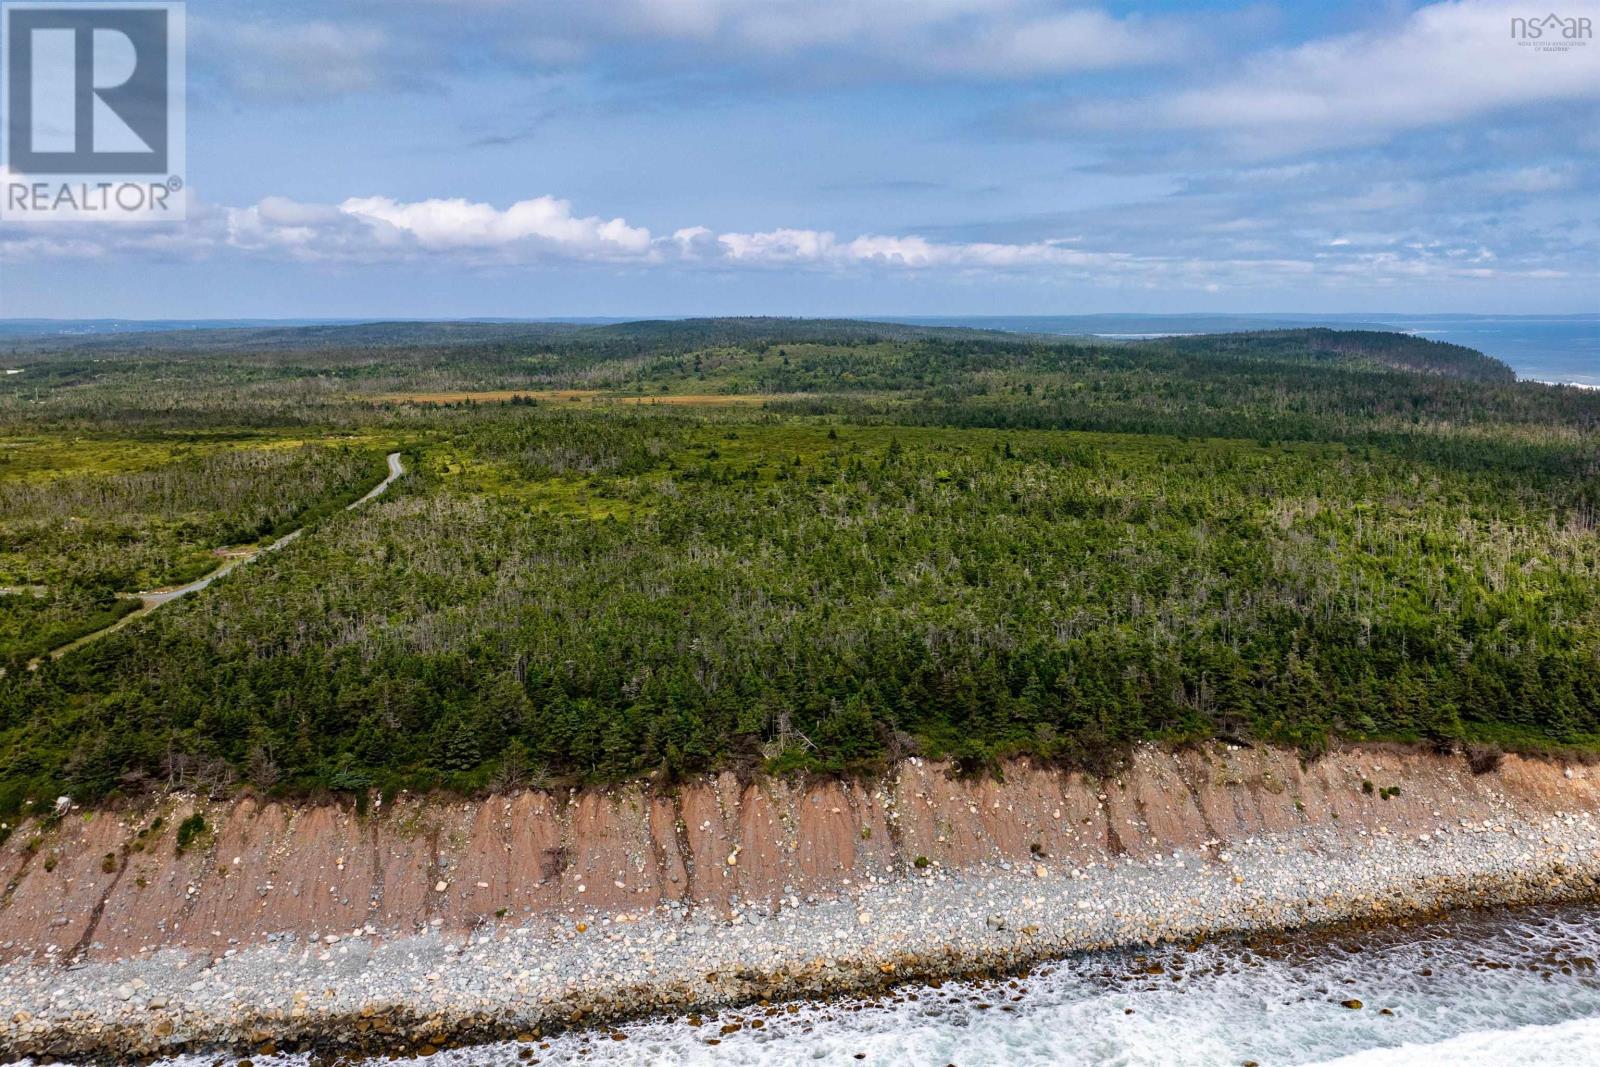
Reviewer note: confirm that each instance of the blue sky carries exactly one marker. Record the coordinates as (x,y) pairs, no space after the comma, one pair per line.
(635,157)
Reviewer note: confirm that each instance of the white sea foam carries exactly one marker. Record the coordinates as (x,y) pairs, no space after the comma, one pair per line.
(1509,989)
(1556,1045)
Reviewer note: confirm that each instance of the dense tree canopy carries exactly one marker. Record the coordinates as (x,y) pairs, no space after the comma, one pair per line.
(664,548)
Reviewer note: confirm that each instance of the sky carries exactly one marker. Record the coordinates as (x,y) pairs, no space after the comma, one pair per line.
(553,158)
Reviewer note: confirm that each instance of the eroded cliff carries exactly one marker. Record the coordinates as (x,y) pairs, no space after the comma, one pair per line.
(108,884)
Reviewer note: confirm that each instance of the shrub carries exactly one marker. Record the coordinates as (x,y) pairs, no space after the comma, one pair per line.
(190,831)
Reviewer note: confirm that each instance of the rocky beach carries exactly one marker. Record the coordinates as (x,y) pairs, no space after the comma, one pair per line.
(428,921)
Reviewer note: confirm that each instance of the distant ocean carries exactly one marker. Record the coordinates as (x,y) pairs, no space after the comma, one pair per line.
(1562,349)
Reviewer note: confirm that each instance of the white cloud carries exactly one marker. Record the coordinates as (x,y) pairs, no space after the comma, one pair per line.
(1004,39)
(301,61)
(1444,63)
(375,228)
(367,229)
(820,248)
(543,222)
(1072,40)
(1544,178)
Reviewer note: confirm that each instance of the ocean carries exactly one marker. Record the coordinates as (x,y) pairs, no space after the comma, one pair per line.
(1477,989)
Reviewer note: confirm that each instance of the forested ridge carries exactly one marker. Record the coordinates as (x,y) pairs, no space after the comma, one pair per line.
(663,548)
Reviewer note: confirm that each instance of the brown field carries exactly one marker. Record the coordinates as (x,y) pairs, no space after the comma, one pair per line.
(580,396)
(697,399)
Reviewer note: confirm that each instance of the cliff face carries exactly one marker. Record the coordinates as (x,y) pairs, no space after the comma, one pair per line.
(108,884)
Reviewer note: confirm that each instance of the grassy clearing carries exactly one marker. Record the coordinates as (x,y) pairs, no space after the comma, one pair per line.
(111,514)
(579,396)
(62,455)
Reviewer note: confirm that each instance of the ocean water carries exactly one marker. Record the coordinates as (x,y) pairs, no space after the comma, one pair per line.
(1496,989)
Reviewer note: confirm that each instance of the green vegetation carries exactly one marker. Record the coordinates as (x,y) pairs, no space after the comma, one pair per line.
(32,624)
(190,831)
(963,545)
(87,528)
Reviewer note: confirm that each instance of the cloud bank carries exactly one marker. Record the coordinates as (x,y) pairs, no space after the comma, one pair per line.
(546,231)
(546,228)
(1444,63)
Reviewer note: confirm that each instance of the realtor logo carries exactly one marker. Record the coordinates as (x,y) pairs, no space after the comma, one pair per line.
(94,125)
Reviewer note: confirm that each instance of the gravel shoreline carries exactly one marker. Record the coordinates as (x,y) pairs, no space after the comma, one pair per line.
(351,990)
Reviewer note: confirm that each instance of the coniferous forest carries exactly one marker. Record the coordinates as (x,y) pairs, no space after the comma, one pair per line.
(775,545)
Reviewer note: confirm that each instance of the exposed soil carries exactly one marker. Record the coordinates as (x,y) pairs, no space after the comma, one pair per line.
(107,884)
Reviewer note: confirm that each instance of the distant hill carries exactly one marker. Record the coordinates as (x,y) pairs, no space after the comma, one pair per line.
(700,333)
(1395,351)
(590,342)
(265,337)
(25,336)
(68,328)
(1137,326)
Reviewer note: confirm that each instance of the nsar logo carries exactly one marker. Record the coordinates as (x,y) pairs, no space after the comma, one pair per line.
(1552,33)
